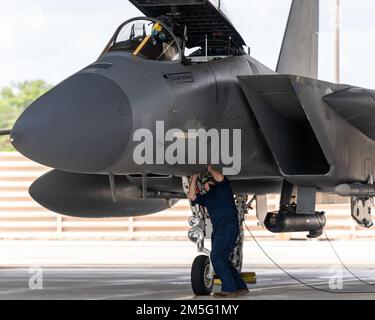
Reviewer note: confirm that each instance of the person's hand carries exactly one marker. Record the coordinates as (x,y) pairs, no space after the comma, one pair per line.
(196,176)
(193,183)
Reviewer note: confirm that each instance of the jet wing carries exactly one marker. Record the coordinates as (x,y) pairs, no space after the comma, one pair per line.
(357,106)
(201,17)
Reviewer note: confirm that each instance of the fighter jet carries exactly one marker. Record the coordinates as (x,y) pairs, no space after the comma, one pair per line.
(183,68)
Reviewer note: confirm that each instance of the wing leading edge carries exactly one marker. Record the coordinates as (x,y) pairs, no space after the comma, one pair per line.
(357,106)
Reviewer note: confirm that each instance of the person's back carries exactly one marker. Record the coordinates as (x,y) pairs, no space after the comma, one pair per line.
(219,201)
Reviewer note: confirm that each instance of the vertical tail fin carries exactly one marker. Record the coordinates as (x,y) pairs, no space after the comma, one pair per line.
(299,51)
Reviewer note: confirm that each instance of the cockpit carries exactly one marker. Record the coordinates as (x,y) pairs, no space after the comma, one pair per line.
(175,32)
(146,38)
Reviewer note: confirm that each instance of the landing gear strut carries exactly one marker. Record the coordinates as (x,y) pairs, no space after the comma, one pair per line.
(237,254)
(202,272)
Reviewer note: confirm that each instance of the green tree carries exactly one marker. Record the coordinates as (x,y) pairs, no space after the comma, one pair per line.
(14,99)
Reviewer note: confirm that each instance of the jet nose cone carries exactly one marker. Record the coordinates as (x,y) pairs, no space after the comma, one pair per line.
(82,125)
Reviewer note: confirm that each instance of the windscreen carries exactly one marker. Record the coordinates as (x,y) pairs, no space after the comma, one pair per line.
(147,39)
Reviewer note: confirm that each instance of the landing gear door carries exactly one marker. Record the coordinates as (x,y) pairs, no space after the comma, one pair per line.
(261,208)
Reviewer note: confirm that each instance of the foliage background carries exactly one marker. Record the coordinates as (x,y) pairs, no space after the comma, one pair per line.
(14,99)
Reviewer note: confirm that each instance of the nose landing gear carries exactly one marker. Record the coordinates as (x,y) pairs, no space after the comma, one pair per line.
(203,276)
(202,272)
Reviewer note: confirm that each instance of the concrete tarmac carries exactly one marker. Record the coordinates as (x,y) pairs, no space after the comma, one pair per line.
(66,254)
(172,284)
(161,270)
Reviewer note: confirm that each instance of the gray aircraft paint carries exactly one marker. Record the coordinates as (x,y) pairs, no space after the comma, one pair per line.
(121,93)
(299,53)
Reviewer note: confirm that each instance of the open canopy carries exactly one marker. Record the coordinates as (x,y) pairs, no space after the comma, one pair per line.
(200,19)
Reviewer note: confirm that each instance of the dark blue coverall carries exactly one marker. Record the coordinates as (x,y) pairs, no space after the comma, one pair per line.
(222,210)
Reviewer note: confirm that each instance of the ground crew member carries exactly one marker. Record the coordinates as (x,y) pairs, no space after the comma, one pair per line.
(219,201)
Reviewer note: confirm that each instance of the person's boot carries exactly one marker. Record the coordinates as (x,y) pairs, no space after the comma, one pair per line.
(229,295)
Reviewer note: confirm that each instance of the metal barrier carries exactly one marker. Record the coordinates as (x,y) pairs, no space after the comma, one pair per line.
(22,218)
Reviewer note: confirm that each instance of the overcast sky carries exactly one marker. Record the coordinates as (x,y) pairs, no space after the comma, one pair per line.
(44,39)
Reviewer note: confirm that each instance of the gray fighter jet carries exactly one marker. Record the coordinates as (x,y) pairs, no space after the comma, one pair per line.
(185,66)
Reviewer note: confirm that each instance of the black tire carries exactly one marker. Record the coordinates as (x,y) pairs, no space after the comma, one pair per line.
(201,285)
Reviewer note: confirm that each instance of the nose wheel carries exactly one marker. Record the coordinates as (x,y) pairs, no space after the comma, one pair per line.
(202,281)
